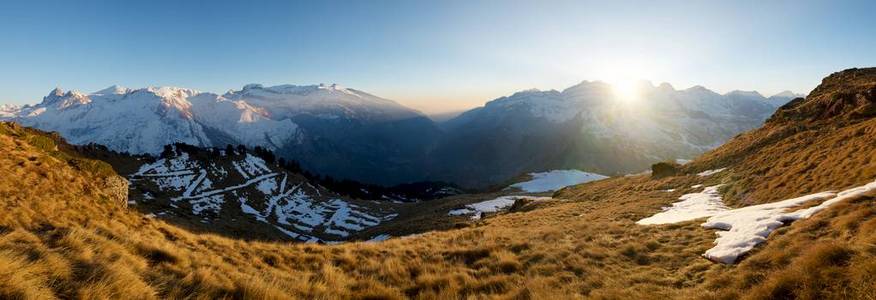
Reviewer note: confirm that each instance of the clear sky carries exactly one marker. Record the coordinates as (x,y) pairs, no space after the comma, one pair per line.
(432,55)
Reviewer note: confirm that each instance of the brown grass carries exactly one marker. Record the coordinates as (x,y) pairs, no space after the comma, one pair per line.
(782,161)
(64,242)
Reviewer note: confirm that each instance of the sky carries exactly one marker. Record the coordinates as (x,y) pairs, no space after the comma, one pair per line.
(435,56)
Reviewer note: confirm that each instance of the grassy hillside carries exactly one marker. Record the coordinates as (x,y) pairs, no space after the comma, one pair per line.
(65,234)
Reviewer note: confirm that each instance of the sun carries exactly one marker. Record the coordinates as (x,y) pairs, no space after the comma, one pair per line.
(627,90)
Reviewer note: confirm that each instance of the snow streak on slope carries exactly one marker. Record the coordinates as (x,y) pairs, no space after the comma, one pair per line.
(246,186)
(555,180)
(710,172)
(691,207)
(491,206)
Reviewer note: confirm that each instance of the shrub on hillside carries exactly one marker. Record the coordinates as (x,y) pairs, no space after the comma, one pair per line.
(664,169)
(93,166)
(42,142)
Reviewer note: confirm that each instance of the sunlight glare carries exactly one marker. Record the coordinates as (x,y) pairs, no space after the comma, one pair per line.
(626,90)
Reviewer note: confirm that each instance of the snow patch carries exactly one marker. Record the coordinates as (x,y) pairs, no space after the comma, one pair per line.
(491,206)
(710,172)
(749,226)
(379,238)
(691,207)
(746,227)
(211,203)
(556,179)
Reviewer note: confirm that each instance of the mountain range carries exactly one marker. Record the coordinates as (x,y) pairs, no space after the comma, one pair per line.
(349,134)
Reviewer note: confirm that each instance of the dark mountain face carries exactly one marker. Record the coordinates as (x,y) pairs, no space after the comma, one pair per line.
(386,152)
(587,127)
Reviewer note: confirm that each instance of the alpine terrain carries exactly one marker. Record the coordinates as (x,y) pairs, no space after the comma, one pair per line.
(784,210)
(349,134)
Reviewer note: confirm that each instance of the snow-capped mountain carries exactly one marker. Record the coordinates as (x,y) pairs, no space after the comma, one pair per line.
(322,126)
(780,99)
(8,111)
(321,101)
(349,134)
(588,127)
(144,120)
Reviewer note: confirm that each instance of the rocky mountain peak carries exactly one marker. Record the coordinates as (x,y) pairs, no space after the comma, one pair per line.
(849,94)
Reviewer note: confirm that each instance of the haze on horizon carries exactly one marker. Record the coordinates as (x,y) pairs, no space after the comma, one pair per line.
(435,57)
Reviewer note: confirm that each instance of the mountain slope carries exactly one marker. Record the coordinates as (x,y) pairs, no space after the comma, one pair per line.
(825,141)
(348,133)
(588,127)
(144,120)
(235,192)
(323,127)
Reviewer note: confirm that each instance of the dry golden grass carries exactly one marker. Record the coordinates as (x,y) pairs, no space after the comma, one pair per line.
(63,241)
(827,141)
(780,161)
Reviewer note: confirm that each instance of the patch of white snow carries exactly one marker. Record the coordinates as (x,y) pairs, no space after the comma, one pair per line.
(710,172)
(749,226)
(691,207)
(556,179)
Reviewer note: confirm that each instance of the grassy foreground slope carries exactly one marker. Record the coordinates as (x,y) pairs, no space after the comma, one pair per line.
(65,231)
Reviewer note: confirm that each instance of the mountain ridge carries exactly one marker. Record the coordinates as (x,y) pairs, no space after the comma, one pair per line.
(322,125)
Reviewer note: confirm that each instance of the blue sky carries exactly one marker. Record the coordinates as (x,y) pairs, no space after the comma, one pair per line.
(434,56)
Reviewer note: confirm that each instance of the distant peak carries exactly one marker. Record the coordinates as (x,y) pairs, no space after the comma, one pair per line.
(788,94)
(9,107)
(332,87)
(252,86)
(745,93)
(58,92)
(698,88)
(666,86)
(528,92)
(58,96)
(113,90)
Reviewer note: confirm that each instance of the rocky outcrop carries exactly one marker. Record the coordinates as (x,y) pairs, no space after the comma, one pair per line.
(848,95)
